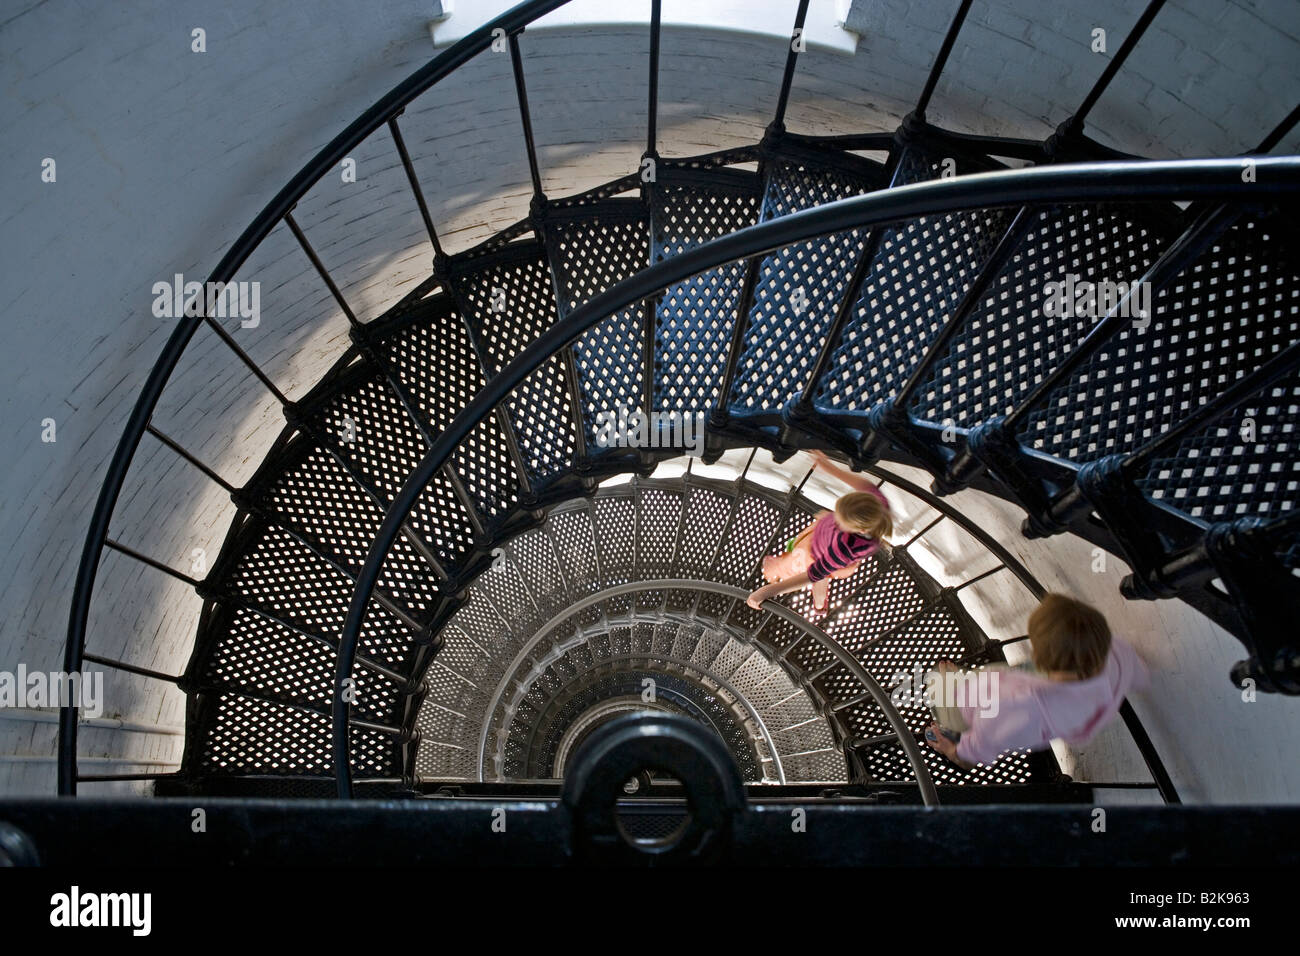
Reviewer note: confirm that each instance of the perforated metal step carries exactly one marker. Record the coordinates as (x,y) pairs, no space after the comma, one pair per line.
(281,589)
(636,610)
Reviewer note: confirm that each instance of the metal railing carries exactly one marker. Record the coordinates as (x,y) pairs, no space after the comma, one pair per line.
(1083,182)
(1088,182)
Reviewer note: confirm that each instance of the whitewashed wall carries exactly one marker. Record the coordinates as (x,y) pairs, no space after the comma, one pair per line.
(164,155)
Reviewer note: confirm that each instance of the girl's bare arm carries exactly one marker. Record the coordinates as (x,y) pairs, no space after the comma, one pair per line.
(777,587)
(853,480)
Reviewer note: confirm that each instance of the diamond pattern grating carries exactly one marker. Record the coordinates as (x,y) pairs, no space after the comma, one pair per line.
(267,655)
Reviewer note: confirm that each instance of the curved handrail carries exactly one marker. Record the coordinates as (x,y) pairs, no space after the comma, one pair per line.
(545,631)
(1073,183)
(385,109)
(995,547)
(911,748)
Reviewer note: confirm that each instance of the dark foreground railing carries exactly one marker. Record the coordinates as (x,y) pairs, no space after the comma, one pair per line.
(838,832)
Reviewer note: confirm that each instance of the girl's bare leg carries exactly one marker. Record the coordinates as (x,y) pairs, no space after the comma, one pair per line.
(821,592)
(778,567)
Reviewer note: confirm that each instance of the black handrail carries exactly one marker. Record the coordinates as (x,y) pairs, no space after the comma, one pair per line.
(386,110)
(1083,182)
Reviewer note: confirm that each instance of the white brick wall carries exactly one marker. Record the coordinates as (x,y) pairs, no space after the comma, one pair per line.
(165,155)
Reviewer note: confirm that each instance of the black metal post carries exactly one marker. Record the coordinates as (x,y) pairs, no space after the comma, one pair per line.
(652,112)
(791,58)
(415,187)
(941,60)
(1075,123)
(132,669)
(178,449)
(248,363)
(320,267)
(521,92)
(157,565)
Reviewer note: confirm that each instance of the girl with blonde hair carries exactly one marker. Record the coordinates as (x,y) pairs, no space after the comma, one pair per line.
(833,545)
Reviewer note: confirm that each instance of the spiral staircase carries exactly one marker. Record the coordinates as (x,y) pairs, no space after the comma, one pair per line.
(441,581)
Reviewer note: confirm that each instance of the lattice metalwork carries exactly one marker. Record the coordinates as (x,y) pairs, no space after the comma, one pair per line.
(267,659)
(710,604)
(436,365)
(660,512)
(1008,345)
(316,497)
(675,693)
(616,530)
(533,553)
(377,437)
(368,426)
(888,598)
(279,575)
(706,515)
(562,691)
(694,319)
(922,269)
(642,529)
(319,499)
(510,302)
(575,544)
(743,618)
(648,529)
(1245,464)
(1231,310)
(931,638)
(797,291)
(442,521)
(504,586)
(482,626)
(649,601)
(591,254)
(249,736)
(755,522)
(257,654)
(1225,315)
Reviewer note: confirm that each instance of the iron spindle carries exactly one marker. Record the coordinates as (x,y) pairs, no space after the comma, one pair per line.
(415,187)
(941,60)
(320,268)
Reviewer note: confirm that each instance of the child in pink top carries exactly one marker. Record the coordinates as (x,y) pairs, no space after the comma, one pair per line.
(1080,677)
(833,546)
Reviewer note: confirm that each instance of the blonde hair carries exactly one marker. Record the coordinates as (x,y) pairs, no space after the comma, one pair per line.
(865,513)
(1068,635)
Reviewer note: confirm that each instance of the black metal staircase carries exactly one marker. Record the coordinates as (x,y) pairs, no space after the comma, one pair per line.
(801,296)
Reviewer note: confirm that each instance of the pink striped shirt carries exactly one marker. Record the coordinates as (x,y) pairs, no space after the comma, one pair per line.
(833,548)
